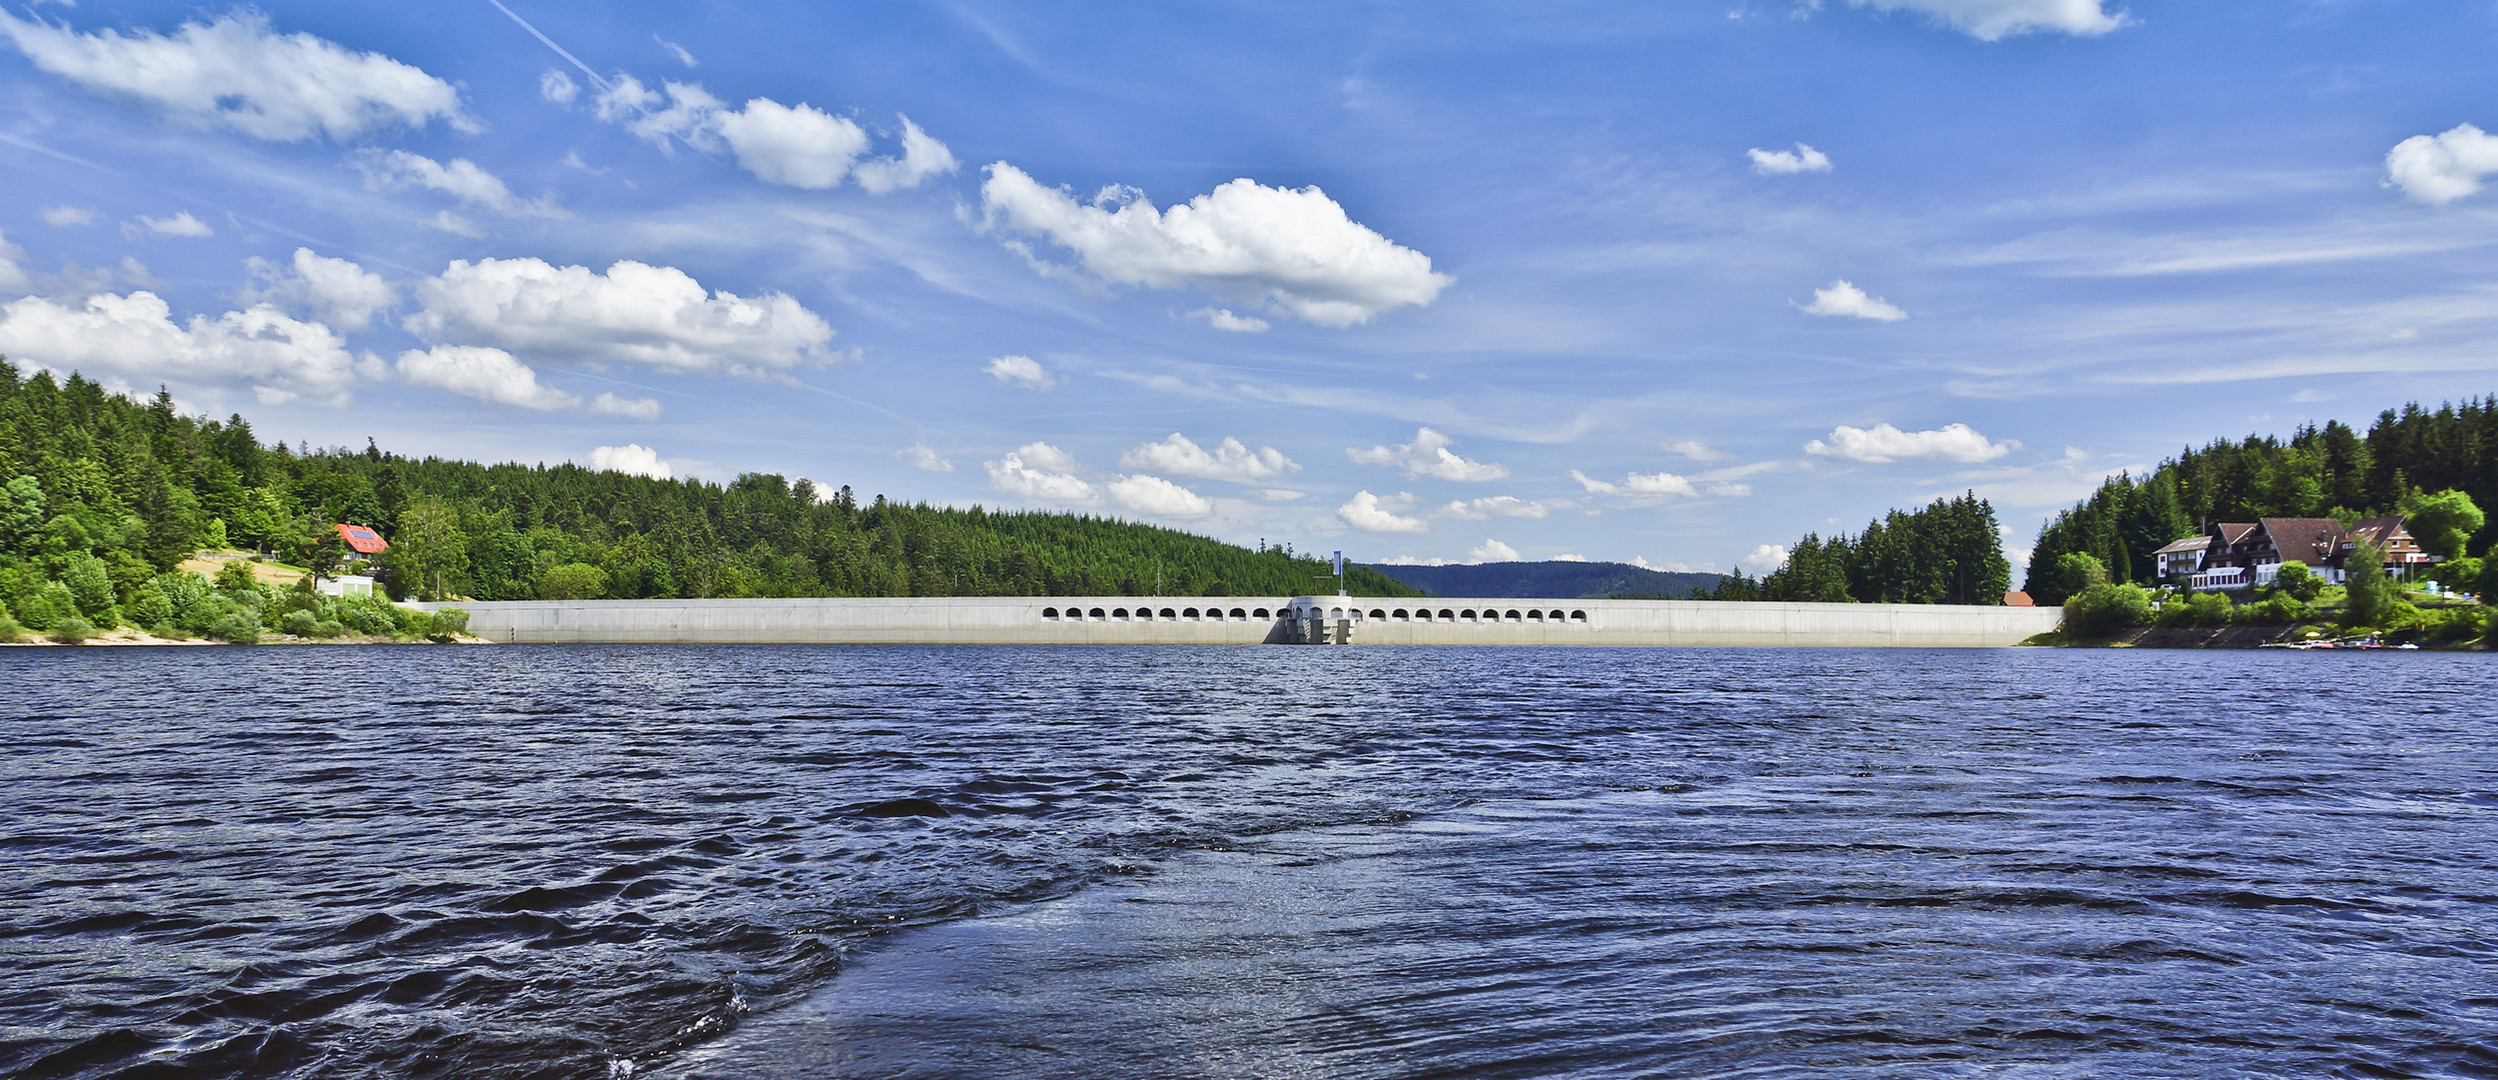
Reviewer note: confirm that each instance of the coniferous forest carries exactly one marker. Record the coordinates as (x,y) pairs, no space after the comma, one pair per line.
(98,489)
(1948,552)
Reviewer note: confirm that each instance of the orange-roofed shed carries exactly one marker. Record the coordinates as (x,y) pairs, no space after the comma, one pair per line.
(362,543)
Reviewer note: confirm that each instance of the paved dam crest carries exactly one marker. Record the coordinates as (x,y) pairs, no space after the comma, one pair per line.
(1298,620)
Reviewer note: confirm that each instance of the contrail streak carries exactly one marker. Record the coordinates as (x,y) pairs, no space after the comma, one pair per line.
(550,43)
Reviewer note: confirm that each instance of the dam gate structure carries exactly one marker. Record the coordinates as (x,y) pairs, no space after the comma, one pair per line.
(1235,620)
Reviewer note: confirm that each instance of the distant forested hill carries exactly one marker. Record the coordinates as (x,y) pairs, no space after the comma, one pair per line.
(95,486)
(1550,580)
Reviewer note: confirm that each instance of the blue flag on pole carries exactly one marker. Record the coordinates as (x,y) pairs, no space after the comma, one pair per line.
(1340,564)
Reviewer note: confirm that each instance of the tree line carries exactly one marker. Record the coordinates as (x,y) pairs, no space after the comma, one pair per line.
(93,479)
(1947,552)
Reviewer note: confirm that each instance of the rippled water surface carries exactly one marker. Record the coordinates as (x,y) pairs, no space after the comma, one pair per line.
(925,861)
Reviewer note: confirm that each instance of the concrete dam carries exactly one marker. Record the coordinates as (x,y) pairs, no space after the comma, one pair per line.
(1297,620)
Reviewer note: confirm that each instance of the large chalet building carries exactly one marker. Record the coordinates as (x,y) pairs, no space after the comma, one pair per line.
(2240,554)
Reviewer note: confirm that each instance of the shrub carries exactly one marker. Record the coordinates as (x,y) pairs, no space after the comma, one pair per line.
(2198,609)
(573,581)
(45,604)
(299,623)
(2459,575)
(10,632)
(2452,624)
(90,585)
(237,628)
(2102,610)
(148,605)
(236,576)
(2279,610)
(72,631)
(329,628)
(416,623)
(449,623)
(184,590)
(2370,593)
(368,617)
(2298,582)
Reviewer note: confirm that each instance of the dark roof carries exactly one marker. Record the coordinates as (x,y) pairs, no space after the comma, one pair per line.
(2381,531)
(363,539)
(2234,532)
(2314,541)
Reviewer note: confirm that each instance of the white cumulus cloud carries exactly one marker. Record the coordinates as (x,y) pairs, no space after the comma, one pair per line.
(1223,319)
(631,458)
(636,408)
(1492,551)
(1428,455)
(182,224)
(1639,486)
(1229,460)
(461,179)
(234,72)
(1843,298)
(922,157)
(1370,513)
(1883,443)
(1022,371)
(1495,506)
(1764,559)
(2438,169)
(1296,250)
(558,87)
(489,375)
(62,217)
(1802,159)
(923,456)
(1039,471)
(1154,496)
(277,357)
(1994,20)
(336,291)
(798,146)
(656,316)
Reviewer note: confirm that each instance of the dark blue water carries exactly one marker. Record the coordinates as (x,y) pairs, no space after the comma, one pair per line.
(802,861)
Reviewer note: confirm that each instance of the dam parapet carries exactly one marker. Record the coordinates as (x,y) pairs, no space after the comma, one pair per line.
(1278,620)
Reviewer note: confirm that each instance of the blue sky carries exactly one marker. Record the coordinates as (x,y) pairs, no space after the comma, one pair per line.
(1663,282)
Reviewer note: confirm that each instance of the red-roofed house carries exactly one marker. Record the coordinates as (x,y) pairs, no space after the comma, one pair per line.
(362,543)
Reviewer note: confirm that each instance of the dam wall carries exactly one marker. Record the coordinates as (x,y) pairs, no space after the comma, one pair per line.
(1276,620)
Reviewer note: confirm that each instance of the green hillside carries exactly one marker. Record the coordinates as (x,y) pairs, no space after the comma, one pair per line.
(90,479)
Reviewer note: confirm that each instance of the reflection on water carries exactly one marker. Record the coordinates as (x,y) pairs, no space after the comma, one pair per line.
(1156,861)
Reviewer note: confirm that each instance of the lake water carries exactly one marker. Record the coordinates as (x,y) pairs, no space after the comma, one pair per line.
(588,861)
